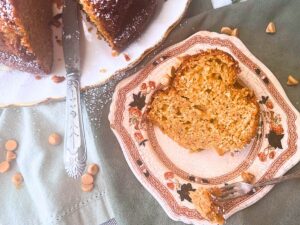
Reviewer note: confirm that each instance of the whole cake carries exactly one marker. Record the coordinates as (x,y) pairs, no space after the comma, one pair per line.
(205,107)
(119,21)
(25,35)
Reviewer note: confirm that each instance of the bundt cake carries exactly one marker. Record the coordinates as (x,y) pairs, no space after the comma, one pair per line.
(25,35)
(205,107)
(119,22)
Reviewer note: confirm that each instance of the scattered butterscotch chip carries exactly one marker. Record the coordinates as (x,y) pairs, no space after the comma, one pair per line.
(271,29)
(10,155)
(93,169)
(103,70)
(54,139)
(4,166)
(127,57)
(114,53)
(248,177)
(226,30)
(11,145)
(235,32)
(57,79)
(90,29)
(87,187)
(87,179)
(292,81)
(17,179)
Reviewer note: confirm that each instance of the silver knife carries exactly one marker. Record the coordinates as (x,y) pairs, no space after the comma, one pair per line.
(75,153)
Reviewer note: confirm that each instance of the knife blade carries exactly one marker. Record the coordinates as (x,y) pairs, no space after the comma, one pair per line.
(75,152)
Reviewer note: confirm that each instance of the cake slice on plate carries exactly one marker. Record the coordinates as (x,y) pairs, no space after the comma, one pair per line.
(119,22)
(205,106)
(25,35)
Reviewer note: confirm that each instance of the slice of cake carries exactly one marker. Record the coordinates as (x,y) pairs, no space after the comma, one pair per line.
(205,107)
(25,35)
(206,204)
(119,21)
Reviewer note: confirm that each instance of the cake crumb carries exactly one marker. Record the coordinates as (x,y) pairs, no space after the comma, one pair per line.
(57,79)
(37,77)
(103,70)
(248,177)
(127,57)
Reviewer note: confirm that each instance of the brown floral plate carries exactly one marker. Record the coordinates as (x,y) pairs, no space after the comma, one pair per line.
(168,171)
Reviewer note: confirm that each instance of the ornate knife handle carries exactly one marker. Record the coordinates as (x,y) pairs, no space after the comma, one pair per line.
(75,153)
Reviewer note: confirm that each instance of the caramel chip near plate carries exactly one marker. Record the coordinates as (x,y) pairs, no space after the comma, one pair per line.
(10,156)
(226,30)
(87,179)
(11,145)
(292,81)
(17,179)
(4,166)
(235,32)
(93,169)
(87,187)
(271,29)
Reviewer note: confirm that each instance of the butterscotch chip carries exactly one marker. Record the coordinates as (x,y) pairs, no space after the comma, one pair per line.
(235,32)
(248,177)
(226,30)
(54,139)
(10,156)
(271,29)
(87,179)
(4,166)
(11,145)
(17,179)
(87,187)
(292,81)
(93,169)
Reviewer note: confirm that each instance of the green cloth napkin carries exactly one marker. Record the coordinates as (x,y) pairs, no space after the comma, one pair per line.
(48,196)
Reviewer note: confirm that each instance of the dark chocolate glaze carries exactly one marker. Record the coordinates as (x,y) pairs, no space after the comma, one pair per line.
(124,20)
